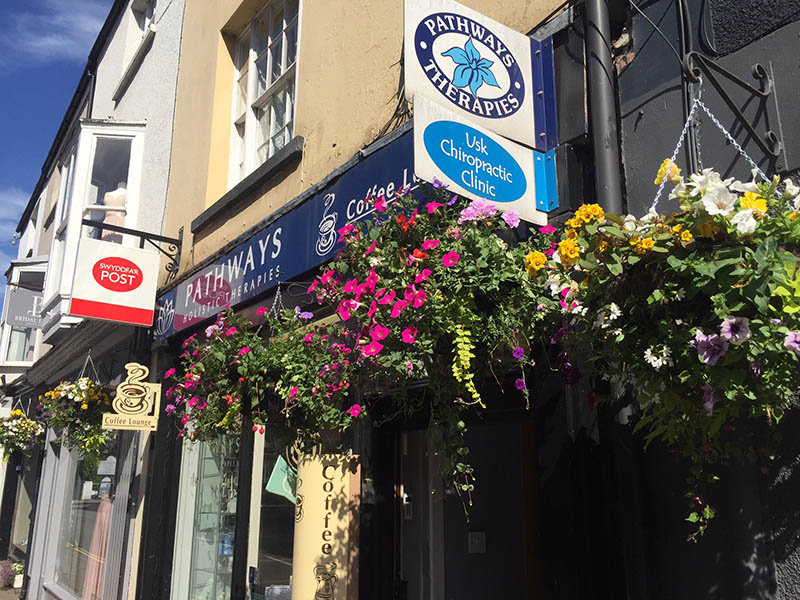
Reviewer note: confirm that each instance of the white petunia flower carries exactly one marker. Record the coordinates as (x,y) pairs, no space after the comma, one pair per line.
(744,221)
(613,311)
(629,224)
(738,186)
(658,357)
(792,191)
(707,181)
(719,201)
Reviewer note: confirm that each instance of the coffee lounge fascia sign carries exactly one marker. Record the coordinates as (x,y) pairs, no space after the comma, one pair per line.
(472,65)
(137,402)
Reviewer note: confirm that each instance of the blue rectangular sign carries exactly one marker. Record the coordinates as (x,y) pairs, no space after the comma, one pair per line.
(292,244)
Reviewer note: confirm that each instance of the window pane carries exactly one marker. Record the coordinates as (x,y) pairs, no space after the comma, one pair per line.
(278,111)
(85,526)
(291,44)
(261,68)
(276,532)
(275,61)
(241,96)
(260,34)
(291,10)
(262,132)
(109,183)
(242,50)
(214,520)
(18,343)
(276,27)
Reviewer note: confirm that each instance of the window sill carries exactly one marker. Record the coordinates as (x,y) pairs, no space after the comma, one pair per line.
(291,151)
(60,592)
(136,62)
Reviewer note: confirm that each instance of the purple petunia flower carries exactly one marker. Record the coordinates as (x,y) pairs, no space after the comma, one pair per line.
(519,384)
(792,341)
(477,211)
(169,409)
(709,347)
(439,185)
(511,218)
(735,330)
(518,352)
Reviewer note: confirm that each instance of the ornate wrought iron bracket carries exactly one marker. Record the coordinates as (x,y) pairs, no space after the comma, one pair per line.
(172,251)
(698,66)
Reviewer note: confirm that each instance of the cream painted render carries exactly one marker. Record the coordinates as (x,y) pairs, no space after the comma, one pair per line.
(348,69)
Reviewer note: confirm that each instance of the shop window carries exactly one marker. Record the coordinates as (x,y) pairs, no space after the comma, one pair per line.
(85,525)
(20,345)
(108,183)
(263,108)
(214,519)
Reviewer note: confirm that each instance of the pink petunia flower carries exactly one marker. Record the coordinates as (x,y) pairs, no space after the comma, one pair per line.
(169,373)
(409,334)
(372,348)
(423,275)
(354,410)
(373,308)
(313,286)
(398,308)
(326,277)
(430,244)
(432,206)
(547,229)
(345,307)
(371,247)
(193,402)
(419,298)
(450,259)
(262,310)
(293,392)
(231,331)
(309,336)
(379,332)
(244,350)
(351,286)
(380,203)
(388,298)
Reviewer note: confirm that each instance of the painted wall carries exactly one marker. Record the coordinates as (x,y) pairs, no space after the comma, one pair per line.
(149,98)
(348,72)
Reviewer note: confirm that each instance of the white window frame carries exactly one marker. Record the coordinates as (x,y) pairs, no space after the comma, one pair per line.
(246,147)
(5,335)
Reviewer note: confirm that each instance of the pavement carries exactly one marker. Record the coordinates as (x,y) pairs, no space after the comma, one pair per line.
(9,594)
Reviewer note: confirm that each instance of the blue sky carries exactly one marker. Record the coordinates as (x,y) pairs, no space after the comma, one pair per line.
(44,45)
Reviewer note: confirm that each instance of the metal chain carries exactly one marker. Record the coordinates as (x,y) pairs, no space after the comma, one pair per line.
(695,103)
(677,149)
(697,126)
(277,304)
(731,139)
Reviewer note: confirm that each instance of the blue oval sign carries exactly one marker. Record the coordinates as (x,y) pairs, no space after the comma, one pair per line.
(469,65)
(474,161)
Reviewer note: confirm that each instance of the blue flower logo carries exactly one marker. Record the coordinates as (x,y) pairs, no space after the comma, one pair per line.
(472,70)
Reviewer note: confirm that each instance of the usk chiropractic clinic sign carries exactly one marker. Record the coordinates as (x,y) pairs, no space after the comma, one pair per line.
(476,67)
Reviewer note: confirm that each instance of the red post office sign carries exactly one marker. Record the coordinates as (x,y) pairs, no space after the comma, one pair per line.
(114,283)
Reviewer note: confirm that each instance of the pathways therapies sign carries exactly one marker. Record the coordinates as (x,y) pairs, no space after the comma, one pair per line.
(294,243)
(114,283)
(475,66)
(474,162)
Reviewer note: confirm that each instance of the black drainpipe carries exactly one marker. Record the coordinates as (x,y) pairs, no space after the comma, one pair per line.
(602,107)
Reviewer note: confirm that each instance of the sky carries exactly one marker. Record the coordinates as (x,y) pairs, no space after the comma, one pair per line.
(44,45)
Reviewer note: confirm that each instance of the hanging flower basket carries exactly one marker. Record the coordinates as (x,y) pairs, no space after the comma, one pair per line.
(19,432)
(76,410)
(696,315)
(428,291)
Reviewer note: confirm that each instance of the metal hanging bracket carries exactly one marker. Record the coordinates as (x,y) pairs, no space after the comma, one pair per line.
(172,251)
(699,67)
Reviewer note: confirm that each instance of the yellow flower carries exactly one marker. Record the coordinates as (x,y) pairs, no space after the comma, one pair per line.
(677,228)
(668,171)
(84,406)
(754,201)
(634,241)
(708,230)
(569,252)
(571,234)
(602,246)
(687,237)
(794,215)
(583,214)
(574,222)
(534,262)
(644,245)
(596,211)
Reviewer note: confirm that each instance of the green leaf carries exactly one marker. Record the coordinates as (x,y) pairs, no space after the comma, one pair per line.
(693,517)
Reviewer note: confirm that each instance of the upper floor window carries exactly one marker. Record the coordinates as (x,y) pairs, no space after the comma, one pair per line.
(263,108)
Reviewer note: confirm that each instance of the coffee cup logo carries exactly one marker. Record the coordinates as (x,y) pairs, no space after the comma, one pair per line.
(134,395)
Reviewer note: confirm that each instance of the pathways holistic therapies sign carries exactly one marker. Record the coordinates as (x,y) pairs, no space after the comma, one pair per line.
(474,162)
(294,243)
(114,283)
(475,66)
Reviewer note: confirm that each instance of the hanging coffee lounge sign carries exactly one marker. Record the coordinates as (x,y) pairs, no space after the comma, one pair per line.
(476,67)
(137,402)
(114,283)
